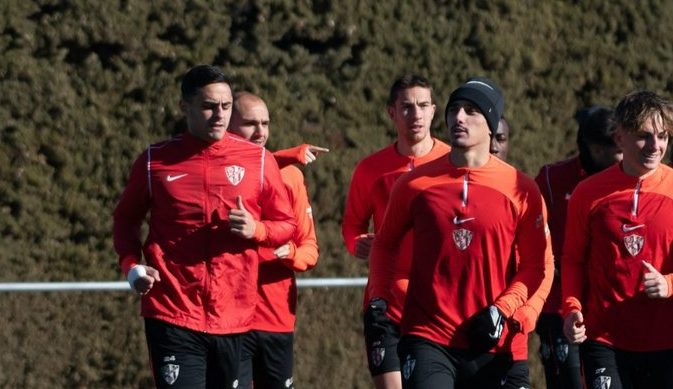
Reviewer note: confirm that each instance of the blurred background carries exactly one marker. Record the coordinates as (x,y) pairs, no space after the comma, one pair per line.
(87,85)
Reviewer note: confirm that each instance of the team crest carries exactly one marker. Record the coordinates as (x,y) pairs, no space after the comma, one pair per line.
(408,367)
(170,373)
(235,174)
(602,382)
(462,238)
(633,243)
(377,354)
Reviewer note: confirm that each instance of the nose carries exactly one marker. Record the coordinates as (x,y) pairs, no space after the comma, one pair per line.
(495,147)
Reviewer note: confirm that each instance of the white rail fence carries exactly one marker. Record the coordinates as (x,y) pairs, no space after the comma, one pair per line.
(123,285)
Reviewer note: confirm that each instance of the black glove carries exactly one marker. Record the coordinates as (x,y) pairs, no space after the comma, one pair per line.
(485,329)
(376,323)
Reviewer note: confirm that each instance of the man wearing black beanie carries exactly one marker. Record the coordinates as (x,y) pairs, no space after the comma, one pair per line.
(470,212)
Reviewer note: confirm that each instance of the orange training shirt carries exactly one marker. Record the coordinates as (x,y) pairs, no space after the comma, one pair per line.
(465,223)
(370,187)
(615,222)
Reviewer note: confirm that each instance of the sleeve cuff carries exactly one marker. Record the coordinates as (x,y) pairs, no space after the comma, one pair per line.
(260,232)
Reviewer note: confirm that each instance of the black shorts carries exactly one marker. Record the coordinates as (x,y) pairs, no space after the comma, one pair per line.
(182,358)
(381,338)
(518,376)
(426,364)
(561,359)
(607,367)
(266,359)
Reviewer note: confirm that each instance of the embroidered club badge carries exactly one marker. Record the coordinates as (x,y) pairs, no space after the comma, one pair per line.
(170,373)
(633,243)
(235,174)
(462,238)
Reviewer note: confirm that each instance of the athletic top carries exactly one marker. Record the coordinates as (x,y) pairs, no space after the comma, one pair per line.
(466,223)
(372,180)
(616,221)
(557,182)
(277,285)
(208,275)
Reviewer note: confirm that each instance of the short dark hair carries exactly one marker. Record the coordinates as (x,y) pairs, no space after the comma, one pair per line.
(639,106)
(596,125)
(405,82)
(200,76)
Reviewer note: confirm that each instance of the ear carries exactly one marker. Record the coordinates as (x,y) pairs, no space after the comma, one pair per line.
(618,137)
(183,105)
(391,112)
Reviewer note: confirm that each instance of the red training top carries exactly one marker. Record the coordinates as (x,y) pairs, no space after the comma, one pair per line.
(615,222)
(466,223)
(370,187)
(557,182)
(208,275)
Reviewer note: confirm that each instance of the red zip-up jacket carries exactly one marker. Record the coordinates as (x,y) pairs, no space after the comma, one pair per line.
(208,275)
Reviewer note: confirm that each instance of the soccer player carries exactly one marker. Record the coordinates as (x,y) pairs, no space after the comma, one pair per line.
(411,109)
(212,199)
(467,212)
(617,265)
(500,140)
(267,350)
(597,151)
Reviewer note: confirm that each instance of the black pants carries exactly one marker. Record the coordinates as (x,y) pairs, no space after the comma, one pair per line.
(561,360)
(609,368)
(428,365)
(182,358)
(266,359)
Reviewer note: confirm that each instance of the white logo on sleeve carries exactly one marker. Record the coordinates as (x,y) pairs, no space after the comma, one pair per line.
(171,178)
(235,174)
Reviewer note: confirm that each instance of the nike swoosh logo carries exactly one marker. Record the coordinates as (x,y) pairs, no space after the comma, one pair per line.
(456,220)
(626,228)
(170,178)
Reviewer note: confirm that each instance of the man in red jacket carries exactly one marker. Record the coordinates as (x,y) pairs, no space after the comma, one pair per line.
(617,265)
(213,198)
(267,349)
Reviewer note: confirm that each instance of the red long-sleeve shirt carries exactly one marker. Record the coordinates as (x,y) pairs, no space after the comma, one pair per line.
(368,195)
(616,221)
(557,181)
(465,223)
(208,275)
(277,285)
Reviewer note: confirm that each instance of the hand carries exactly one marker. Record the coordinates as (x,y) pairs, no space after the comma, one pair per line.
(241,222)
(142,278)
(376,323)
(363,244)
(485,329)
(312,153)
(654,283)
(573,327)
(282,251)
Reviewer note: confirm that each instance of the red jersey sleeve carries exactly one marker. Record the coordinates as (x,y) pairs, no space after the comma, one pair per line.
(575,246)
(304,245)
(384,255)
(129,215)
(359,208)
(291,156)
(533,243)
(277,221)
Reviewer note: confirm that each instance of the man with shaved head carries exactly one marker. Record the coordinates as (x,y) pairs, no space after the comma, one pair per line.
(267,352)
